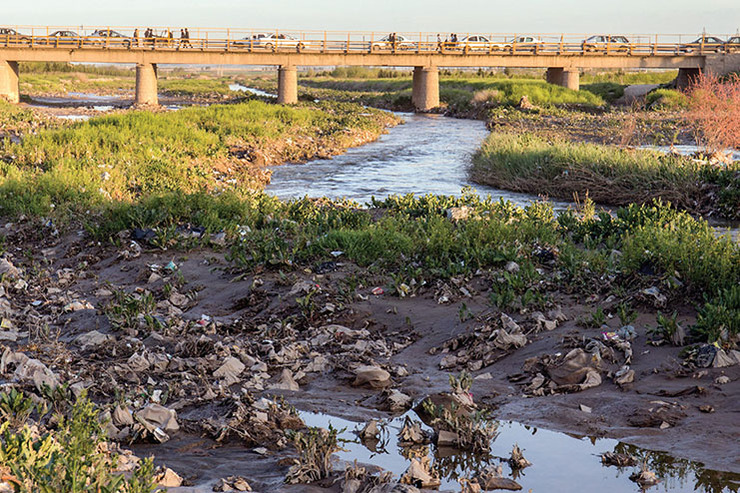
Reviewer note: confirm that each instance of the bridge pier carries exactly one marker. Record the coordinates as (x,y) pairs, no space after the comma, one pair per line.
(9,81)
(686,77)
(287,85)
(425,89)
(146,84)
(570,78)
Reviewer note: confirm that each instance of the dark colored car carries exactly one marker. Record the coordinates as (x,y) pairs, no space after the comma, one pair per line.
(606,44)
(108,37)
(733,45)
(59,38)
(703,44)
(12,37)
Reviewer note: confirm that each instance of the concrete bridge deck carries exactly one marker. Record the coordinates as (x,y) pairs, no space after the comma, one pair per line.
(562,55)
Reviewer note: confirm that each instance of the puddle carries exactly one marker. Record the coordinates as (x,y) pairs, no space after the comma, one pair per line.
(687,150)
(560,462)
(256,92)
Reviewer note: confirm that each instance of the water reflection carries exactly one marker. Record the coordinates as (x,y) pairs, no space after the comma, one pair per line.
(561,462)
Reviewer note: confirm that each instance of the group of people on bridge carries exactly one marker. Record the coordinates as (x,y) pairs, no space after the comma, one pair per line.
(168,39)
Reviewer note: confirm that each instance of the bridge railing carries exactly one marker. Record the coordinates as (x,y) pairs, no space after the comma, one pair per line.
(332,42)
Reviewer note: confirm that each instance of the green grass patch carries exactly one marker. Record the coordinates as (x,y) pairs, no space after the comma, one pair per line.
(608,174)
(196,87)
(630,78)
(608,91)
(666,99)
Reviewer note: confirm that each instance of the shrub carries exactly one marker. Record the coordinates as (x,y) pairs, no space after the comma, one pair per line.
(713,109)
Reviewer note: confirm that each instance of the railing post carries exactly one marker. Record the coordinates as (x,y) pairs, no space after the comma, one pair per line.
(324,49)
(560,50)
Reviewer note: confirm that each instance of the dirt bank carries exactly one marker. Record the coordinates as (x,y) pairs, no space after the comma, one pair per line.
(79,310)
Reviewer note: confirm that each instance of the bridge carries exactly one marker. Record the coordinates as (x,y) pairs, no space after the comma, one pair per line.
(563,55)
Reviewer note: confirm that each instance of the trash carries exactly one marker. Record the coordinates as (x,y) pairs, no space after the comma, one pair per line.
(77,306)
(397,401)
(378,291)
(158,420)
(624,376)
(458,213)
(370,431)
(285,382)
(8,269)
(659,300)
(505,340)
(420,474)
(644,477)
(584,408)
(706,408)
(411,433)
(512,267)
(373,376)
(337,253)
(722,380)
(218,239)
(92,339)
(447,438)
(28,369)
(171,266)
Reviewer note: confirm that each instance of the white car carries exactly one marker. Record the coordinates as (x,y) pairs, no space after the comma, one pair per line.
(402,43)
(520,43)
(270,41)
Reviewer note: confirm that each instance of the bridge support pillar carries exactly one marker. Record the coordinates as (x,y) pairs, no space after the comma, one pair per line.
(425,90)
(686,76)
(9,81)
(146,84)
(570,78)
(287,85)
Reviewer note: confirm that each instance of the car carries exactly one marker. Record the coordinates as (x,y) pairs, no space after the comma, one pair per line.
(59,38)
(269,42)
(474,43)
(733,45)
(703,44)
(108,37)
(606,44)
(517,44)
(11,36)
(401,43)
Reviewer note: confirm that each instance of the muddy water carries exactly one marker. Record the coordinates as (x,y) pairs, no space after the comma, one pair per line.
(427,154)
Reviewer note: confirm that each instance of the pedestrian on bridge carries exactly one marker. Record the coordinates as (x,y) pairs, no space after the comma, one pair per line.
(170,38)
(185,38)
(136,37)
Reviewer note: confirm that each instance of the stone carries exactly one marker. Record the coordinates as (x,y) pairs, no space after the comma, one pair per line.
(229,371)
(93,338)
(398,401)
(285,382)
(491,478)
(447,438)
(168,479)
(372,376)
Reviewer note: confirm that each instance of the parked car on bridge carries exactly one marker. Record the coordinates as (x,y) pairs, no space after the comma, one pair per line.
(108,37)
(270,41)
(11,37)
(60,38)
(402,43)
(606,44)
(703,44)
(733,45)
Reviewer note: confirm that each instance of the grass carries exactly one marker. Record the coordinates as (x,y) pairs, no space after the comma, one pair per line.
(630,78)
(60,83)
(133,155)
(607,174)
(191,87)
(666,99)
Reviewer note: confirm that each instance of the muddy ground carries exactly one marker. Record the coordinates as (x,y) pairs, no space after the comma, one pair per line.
(208,312)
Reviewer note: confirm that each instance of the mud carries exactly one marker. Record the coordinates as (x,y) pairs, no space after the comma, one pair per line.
(226,312)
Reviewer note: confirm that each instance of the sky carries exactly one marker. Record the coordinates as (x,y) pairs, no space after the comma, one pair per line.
(494,16)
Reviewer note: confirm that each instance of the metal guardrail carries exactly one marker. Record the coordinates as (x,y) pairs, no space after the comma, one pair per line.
(333,42)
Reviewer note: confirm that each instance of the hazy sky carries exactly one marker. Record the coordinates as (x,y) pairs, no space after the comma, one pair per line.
(574,16)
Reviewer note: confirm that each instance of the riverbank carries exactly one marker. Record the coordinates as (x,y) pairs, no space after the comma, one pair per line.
(132,155)
(609,175)
(150,302)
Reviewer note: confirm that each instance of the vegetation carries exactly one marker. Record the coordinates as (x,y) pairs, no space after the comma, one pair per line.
(666,99)
(609,175)
(51,83)
(714,111)
(68,459)
(315,447)
(191,87)
(128,156)
(62,67)
(629,78)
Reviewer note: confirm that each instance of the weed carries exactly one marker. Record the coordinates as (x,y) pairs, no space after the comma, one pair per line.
(315,447)
(667,328)
(719,318)
(15,408)
(125,310)
(626,314)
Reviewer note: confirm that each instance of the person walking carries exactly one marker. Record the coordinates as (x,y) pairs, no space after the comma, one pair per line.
(170,38)
(136,37)
(187,38)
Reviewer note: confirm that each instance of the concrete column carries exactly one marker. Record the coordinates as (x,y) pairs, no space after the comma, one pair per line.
(425,90)
(686,76)
(571,79)
(146,84)
(287,85)
(555,76)
(9,81)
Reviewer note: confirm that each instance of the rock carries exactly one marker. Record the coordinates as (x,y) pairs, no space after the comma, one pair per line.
(8,269)
(449,361)
(232,483)
(370,431)
(178,299)
(168,479)
(92,339)
(420,474)
(158,416)
(398,401)
(512,267)
(447,439)
(285,382)
(372,376)
(458,213)
(229,371)
(122,417)
(491,478)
